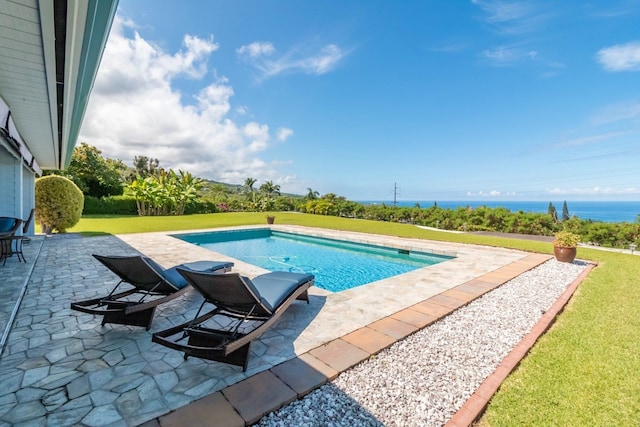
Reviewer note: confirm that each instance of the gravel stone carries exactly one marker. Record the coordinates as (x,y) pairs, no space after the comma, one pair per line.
(427,377)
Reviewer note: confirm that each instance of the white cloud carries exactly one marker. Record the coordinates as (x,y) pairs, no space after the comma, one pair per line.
(617,112)
(512,17)
(324,61)
(621,57)
(213,100)
(256,49)
(284,134)
(613,9)
(258,135)
(517,21)
(136,109)
(504,55)
(492,193)
(296,60)
(590,139)
(593,191)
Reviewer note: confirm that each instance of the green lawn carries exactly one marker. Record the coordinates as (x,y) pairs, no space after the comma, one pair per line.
(584,372)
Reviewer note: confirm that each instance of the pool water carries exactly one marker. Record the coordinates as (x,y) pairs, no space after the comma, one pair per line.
(337,265)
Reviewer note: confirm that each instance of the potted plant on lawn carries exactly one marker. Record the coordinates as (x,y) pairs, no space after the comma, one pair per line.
(270,219)
(565,246)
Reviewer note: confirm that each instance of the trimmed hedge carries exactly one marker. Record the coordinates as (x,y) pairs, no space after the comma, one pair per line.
(201,206)
(126,205)
(112,205)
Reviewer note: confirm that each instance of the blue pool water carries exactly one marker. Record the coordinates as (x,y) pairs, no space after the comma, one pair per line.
(336,264)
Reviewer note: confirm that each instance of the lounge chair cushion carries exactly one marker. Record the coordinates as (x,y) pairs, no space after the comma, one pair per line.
(176,279)
(276,286)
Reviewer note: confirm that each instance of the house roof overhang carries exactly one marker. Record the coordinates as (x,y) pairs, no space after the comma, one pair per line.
(50,51)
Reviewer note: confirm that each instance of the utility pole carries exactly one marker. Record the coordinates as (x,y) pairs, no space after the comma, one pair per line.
(395,194)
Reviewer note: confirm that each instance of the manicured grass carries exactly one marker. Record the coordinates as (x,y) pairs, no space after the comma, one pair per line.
(144,224)
(93,225)
(584,371)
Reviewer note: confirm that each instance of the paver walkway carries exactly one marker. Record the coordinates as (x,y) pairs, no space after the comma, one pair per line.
(61,367)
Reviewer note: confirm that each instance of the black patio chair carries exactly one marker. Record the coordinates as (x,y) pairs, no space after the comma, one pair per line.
(151,286)
(10,244)
(253,305)
(26,224)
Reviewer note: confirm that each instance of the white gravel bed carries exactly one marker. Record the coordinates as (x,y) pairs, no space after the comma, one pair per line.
(425,378)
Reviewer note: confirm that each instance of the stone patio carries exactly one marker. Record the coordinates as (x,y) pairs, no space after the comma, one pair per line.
(61,367)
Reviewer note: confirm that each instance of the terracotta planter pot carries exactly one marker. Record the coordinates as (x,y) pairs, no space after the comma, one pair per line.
(565,254)
(270,219)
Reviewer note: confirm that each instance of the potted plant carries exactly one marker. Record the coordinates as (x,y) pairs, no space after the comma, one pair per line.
(270,219)
(565,246)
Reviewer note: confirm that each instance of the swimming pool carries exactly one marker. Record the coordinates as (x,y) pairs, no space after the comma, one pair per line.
(337,265)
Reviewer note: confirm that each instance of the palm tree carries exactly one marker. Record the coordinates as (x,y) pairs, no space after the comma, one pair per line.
(312,194)
(248,184)
(270,189)
(268,192)
(219,192)
(248,188)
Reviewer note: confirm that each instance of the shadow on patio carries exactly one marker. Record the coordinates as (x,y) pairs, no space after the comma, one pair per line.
(61,367)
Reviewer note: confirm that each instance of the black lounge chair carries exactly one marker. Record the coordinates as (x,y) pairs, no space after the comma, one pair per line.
(152,286)
(253,305)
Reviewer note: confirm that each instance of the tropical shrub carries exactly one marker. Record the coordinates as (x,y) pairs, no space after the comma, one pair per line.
(283,203)
(165,193)
(59,203)
(235,205)
(611,234)
(320,207)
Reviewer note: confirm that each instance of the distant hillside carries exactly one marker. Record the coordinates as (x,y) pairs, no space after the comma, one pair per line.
(233,188)
(238,188)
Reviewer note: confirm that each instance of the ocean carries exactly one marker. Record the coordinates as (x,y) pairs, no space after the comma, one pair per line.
(596,211)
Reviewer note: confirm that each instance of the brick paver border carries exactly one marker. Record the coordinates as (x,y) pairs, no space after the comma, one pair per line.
(278,386)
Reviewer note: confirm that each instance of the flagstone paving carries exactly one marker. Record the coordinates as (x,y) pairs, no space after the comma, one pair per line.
(61,367)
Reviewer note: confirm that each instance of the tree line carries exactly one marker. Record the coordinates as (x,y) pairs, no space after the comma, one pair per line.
(110,187)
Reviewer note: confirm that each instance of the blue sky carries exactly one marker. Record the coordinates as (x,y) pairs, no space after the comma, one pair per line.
(455,100)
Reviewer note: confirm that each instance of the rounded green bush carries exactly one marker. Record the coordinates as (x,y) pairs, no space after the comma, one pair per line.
(59,203)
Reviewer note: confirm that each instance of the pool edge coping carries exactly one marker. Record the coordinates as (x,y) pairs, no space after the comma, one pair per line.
(434,256)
